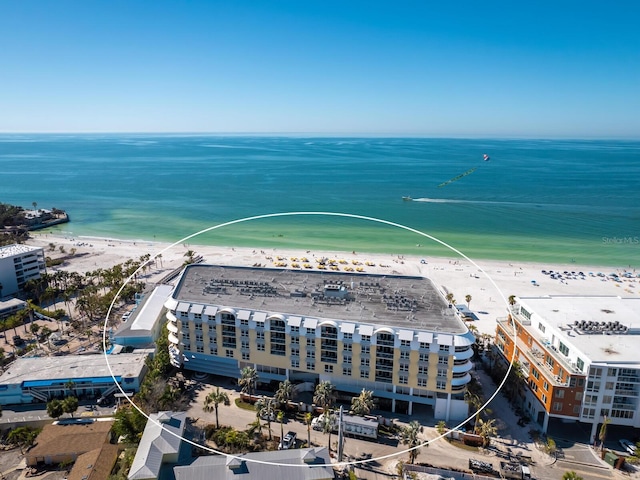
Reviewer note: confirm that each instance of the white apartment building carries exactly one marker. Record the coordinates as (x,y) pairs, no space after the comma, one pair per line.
(394,335)
(19,264)
(585,350)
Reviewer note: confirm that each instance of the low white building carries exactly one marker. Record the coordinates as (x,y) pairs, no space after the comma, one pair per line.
(145,323)
(19,264)
(39,379)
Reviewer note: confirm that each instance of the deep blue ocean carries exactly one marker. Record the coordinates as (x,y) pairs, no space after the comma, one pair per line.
(534,200)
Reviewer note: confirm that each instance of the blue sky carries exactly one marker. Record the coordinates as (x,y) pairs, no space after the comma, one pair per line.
(477,68)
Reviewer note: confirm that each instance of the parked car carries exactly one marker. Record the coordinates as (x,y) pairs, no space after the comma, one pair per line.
(628,446)
(288,441)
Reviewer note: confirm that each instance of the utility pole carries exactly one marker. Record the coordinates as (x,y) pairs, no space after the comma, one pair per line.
(340,436)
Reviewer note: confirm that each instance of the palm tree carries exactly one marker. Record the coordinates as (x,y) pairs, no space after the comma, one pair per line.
(450,298)
(324,394)
(190,254)
(70,405)
(255,427)
(486,429)
(571,475)
(71,386)
(307,420)
(409,436)
(212,401)
(363,403)
(467,298)
(515,381)
(23,437)
(475,402)
(55,408)
(265,408)
(441,427)
(248,379)
(280,419)
(284,393)
(602,435)
(512,300)
(329,421)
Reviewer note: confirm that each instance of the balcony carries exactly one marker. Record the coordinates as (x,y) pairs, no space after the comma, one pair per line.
(388,355)
(535,355)
(627,393)
(172,327)
(465,367)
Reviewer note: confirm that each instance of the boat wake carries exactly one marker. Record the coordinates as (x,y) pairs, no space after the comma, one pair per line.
(503,203)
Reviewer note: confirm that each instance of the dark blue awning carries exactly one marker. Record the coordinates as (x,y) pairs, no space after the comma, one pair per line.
(79,382)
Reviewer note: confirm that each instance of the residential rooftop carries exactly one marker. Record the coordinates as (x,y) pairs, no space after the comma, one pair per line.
(73,366)
(602,340)
(293,464)
(8,251)
(392,300)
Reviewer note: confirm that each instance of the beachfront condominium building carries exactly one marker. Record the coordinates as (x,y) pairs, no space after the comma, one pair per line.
(394,335)
(19,264)
(579,355)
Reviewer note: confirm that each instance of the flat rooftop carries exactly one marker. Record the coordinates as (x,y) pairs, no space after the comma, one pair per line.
(16,249)
(145,317)
(73,366)
(391,300)
(601,345)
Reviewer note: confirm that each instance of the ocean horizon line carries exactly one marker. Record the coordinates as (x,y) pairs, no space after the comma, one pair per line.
(363,135)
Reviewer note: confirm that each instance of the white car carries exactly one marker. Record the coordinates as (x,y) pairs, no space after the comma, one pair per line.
(289,441)
(628,446)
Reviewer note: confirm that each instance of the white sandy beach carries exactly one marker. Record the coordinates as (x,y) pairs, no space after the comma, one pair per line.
(489,282)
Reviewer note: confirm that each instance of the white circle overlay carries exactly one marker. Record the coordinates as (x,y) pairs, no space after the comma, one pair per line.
(291,214)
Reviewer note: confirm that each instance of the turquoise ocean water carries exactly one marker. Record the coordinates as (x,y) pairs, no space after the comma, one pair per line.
(535,200)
